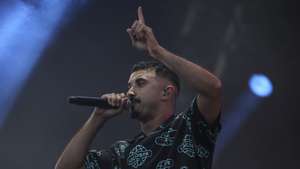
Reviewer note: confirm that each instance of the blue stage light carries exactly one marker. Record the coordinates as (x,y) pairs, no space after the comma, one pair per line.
(261,85)
(25,30)
(244,105)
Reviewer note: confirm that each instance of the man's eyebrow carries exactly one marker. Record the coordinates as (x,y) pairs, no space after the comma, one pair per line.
(140,78)
(137,79)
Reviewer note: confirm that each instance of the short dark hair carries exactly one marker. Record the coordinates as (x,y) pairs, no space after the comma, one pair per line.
(160,69)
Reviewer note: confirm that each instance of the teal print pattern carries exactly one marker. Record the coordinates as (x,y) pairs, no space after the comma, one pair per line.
(91,160)
(202,152)
(184,167)
(187,146)
(202,126)
(212,135)
(138,155)
(166,138)
(165,164)
(162,126)
(120,148)
(116,167)
(99,153)
(188,121)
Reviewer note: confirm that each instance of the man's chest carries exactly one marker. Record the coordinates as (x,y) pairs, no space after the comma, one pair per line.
(168,148)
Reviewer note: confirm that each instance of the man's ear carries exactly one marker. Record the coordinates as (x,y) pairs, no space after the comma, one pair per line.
(168,91)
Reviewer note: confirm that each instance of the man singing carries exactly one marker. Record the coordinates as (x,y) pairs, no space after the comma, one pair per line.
(167,140)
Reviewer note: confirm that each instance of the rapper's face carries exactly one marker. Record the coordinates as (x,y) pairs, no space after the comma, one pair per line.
(146,89)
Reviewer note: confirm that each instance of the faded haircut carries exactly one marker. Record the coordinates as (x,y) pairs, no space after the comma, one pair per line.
(160,69)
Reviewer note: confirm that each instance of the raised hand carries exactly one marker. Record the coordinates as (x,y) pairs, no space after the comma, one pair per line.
(141,35)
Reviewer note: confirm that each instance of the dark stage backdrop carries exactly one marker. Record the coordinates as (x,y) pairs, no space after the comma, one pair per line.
(92,51)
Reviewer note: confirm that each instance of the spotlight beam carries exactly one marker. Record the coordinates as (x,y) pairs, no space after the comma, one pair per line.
(25,31)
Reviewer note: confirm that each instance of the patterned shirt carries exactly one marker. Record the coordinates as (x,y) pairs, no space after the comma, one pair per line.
(184,141)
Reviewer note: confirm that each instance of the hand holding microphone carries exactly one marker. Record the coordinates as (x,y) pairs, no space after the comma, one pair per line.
(108,105)
(119,102)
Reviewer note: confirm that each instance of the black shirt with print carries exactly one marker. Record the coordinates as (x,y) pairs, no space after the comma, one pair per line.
(184,141)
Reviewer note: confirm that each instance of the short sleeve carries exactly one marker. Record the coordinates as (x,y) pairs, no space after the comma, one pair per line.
(113,158)
(201,125)
(101,159)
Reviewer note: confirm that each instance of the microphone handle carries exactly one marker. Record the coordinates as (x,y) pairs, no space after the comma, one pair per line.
(90,101)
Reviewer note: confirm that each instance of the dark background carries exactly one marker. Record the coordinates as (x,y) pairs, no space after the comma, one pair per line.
(92,51)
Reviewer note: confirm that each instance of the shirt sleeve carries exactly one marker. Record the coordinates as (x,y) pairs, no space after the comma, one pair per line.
(201,126)
(112,158)
(101,159)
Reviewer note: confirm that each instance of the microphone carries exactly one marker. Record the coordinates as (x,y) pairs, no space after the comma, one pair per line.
(91,101)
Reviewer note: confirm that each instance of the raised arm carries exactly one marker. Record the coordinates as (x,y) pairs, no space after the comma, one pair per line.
(205,83)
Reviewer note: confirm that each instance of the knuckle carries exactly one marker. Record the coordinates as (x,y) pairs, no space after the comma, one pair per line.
(148,28)
(104,96)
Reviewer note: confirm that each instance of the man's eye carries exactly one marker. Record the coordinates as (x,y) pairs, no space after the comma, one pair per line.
(140,82)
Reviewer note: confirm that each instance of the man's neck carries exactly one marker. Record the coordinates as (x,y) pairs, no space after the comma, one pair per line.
(160,116)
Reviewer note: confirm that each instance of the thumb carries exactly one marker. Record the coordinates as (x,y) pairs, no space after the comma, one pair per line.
(129,31)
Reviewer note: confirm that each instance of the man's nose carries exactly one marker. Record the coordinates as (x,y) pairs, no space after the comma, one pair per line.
(130,93)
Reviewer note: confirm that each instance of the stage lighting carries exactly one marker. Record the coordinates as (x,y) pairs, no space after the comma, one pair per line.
(261,85)
(25,31)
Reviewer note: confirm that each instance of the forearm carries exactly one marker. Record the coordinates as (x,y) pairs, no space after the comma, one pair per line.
(76,150)
(197,77)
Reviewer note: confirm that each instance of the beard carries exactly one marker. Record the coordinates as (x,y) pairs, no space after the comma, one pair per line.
(134,113)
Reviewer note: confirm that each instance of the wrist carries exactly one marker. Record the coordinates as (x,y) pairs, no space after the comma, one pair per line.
(98,119)
(156,51)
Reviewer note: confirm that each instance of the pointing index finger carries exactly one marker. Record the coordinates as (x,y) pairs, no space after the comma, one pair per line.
(140,15)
